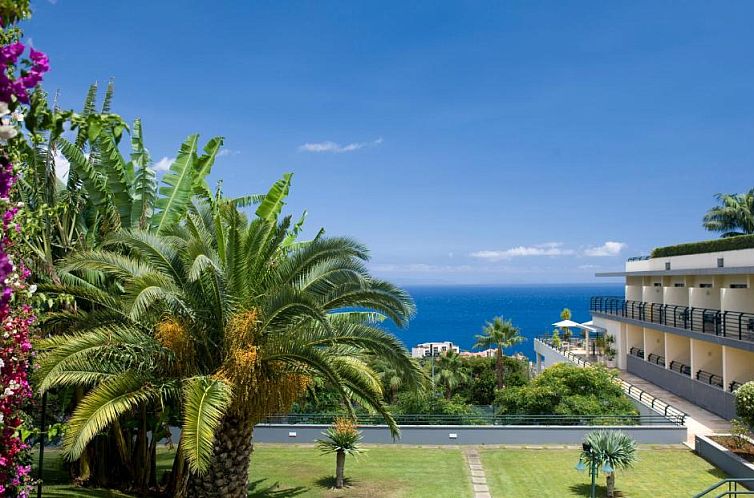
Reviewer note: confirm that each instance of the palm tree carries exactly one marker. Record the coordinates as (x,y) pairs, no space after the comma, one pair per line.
(501,334)
(229,319)
(390,376)
(733,216)
(566,315)
(342,438)
(451,372)
(611,451)
(101,192)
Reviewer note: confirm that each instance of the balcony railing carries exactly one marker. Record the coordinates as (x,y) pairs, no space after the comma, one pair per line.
(732,324)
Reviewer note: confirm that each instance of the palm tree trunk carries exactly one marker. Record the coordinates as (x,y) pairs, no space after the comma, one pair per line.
(610,484)
(499,365)
(228,473)
(340,468)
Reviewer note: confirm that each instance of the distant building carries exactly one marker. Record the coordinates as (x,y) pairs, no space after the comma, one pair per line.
(487,353)
(426,349)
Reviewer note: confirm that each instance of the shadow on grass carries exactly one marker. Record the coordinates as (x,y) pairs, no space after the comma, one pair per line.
(585,489)
(259,489)
(69,491)
(328,482)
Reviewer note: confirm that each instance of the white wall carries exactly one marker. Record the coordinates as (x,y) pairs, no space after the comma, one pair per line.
(742,257)
(677,348)
(706,356)
(654,342)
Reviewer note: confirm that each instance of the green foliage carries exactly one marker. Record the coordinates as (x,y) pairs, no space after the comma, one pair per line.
(480,389)
(615,448)
(740,432)
(12,11)
(219,297)
(556,339)
(745,403)
(423,403)
(566,389)
(733,217)
(206,401)
(716,245)
(450,373)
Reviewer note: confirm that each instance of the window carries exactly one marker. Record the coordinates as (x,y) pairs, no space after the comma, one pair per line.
(705,286)
(720,262)
(679,285)
(739,286)
(667,265)
(657,284)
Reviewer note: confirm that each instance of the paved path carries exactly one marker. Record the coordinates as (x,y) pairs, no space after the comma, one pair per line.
(698,421)
(478,479)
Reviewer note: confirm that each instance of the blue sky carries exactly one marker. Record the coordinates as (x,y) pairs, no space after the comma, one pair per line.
(468,142)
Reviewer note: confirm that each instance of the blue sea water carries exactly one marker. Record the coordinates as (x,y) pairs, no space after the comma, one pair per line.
(458,313)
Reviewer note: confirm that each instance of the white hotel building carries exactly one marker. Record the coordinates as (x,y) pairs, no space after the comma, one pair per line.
(686,324)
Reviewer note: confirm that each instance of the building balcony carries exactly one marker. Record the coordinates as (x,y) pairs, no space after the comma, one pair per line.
(735,325)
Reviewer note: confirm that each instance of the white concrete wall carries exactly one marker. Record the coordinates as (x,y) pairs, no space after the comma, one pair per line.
(700,297)
(634,293)
(737,300)
(652,294)
(675,295)
(706,356)
(634,337)
(677,348)
(742,257)
(739,366)
(654,342)
(617,330)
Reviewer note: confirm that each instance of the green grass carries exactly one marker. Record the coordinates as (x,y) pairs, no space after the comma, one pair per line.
(286,470)
(660,472)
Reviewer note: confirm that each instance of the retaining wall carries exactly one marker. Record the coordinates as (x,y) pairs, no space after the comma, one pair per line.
(472,434)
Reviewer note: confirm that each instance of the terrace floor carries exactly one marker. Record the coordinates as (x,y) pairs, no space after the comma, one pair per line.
(699,420)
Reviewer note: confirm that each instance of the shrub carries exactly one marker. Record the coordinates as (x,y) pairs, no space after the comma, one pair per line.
(745,403)
(740,432)
(715,245)
(565,389)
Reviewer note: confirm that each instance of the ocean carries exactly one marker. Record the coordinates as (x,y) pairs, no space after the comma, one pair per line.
(458,313)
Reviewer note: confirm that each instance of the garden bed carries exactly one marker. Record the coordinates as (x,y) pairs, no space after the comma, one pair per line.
(744,448)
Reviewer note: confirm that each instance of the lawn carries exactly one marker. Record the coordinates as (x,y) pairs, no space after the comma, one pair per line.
(660,472)
(293,470)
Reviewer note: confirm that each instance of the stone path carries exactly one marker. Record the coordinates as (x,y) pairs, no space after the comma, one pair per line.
(478,479)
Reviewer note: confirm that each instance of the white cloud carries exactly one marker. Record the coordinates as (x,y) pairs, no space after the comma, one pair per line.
(163,164)
(337,148)
(609,248)
(546,249)
(62,166)
(228,152)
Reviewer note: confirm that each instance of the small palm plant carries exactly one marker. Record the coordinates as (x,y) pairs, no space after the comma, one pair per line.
(342,438)
(610,451)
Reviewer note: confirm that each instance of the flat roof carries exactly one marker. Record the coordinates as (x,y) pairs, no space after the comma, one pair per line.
(737,270)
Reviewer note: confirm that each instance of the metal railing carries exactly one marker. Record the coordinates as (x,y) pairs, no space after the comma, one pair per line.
(709,378)
(734,385)
(681,368)
(656,359)
(475,419)
(735,487)
(669,412)
(737,325)
(636,352)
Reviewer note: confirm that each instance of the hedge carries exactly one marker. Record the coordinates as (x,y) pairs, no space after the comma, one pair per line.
(726,244)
